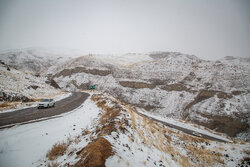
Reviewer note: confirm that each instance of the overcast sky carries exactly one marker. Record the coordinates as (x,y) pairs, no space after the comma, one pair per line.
(209,29)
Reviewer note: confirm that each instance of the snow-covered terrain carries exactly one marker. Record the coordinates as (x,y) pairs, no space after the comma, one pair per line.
(214,94)
(37,60)
(17,87)
(27,145)
(104,131)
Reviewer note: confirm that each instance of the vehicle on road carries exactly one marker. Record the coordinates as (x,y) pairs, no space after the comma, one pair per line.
(196,134)
(46,103)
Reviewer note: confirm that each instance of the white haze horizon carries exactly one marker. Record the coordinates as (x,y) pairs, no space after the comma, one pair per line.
(210,30)
(69,52)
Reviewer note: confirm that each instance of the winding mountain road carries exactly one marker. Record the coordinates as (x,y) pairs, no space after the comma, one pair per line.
(33,114)
(186,130)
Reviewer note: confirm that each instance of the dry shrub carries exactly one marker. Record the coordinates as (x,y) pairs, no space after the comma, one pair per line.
(192,139)
(53,164)
(57,150)
(242,142)
(36,100)
(101,104)
(110,114)
(247,152)
(204,155)
(4,104)
(107,118)
(77,139)
(220,148)
(131,139)
(132,115)
(95,153)
(95,97)
(107,129)
(85,132)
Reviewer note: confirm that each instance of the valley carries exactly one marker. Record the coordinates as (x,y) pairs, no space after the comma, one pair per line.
(147,109)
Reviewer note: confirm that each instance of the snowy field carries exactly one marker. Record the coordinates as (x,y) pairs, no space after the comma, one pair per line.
(25,145)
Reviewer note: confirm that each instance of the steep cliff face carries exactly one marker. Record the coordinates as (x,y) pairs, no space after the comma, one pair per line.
(212,93)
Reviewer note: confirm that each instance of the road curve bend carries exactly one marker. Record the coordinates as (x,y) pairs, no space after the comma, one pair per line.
(29,114)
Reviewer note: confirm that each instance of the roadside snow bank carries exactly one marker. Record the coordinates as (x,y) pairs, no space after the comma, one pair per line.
(25,145)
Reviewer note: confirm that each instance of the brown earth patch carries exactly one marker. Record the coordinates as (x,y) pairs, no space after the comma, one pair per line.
(69,72)
(224,124)
(33,87)
(95,153)
(175,87)
(237,92)
(190,77)
(206,94)
(84,86)
(13,97)
(53,83)
(136,85)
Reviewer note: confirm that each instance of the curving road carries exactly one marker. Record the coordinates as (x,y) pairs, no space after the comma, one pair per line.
(29,114)
(185,130)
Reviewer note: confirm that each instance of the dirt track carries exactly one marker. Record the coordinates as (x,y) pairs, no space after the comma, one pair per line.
(28,114)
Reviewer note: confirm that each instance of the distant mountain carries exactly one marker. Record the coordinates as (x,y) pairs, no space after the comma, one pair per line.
(36,60)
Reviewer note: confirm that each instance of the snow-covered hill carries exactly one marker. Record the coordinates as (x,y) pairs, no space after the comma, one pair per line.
(36,60)
(212,93)
(19,86)
(106,132)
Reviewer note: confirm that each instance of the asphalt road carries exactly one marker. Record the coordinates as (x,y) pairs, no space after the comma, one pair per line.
(29,114)
(185,130)
(66,105)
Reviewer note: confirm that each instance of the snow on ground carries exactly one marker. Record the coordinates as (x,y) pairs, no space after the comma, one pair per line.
(136,140)
(24,145)
(124,59)
(185,125)
(19,82)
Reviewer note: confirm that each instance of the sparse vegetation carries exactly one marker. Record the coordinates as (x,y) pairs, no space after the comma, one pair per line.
(162,139)
(95,153)
(58,149)
(53,164)
(4,104)
(183,149)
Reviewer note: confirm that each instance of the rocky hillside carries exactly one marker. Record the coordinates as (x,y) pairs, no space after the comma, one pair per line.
(18,86)
(119,136)
(211,93)
(214,94)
